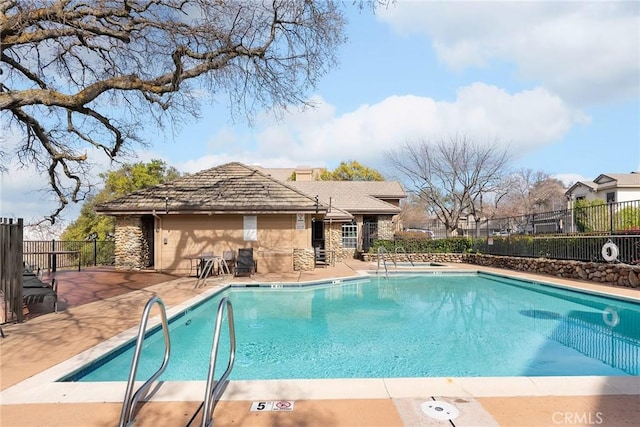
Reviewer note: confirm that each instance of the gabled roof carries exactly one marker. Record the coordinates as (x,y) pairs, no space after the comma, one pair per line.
(619,179)
(229,188)
(590,185)
(355,197)
(609,180)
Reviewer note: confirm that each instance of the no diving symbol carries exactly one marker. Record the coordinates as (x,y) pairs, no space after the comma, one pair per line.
(278,405)
(283,405)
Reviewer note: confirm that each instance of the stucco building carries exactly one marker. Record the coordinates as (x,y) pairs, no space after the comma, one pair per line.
(235,206)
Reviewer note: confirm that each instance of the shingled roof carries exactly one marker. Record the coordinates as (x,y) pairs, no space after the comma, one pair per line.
(619,179)
(229,188)
(609,180)
(355,197)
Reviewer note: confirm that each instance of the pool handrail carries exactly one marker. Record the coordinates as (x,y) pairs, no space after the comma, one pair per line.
(130,402)
(381,252)
(213,387)
(405,254)
(207,262)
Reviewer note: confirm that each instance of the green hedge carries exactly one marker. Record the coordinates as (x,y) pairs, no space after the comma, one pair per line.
(448,245)
(553,247)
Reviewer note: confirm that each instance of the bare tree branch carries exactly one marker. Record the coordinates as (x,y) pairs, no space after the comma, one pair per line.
(453,176)
(78,75)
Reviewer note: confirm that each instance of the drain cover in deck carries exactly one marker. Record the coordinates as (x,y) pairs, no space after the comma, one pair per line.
(440,410)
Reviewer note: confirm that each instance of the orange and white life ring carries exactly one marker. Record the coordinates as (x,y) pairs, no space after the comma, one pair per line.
(609,251)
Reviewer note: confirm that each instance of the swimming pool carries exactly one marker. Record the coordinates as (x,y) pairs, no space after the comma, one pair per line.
(410,325)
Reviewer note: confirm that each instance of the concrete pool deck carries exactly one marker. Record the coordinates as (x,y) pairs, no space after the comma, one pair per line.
(39,345)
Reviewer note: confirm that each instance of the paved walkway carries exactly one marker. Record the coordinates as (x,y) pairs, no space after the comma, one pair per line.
(99,303)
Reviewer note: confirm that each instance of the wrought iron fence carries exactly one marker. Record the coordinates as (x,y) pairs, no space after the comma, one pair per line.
(622,218)
(573,247)
(59,254)
(570,234)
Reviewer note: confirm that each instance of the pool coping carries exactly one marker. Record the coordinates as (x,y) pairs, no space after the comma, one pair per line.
(44,388)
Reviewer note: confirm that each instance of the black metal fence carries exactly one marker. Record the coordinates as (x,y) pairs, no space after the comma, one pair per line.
(573,234)
(578,234)
(573,247)
(622,218)
(58,254)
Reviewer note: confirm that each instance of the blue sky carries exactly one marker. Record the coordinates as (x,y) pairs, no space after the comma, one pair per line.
(558,82)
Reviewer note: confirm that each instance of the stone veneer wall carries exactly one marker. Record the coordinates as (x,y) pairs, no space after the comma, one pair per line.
(303,259)
(333,241)
(386,229)
(131,249)
(611,274)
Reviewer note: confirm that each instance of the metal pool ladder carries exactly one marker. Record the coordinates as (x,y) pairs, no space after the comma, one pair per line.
(401,249)
(131,399)
(381,256)
(214,388)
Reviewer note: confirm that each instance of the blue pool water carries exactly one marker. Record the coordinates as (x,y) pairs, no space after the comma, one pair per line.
(433,325)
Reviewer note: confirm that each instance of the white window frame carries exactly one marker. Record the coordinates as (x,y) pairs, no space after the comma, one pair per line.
(350,241)
(250,228)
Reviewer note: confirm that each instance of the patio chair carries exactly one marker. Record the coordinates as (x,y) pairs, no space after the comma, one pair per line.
(35,291)
(229,258)
(245,264)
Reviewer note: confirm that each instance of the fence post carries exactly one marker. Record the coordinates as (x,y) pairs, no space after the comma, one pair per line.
(53,261)
(533,233)
(11,257)
(610,218)
(95,252)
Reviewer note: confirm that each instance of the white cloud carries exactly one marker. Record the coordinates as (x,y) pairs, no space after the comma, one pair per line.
(319,137)
(568,179)
(587,52)
(524,120)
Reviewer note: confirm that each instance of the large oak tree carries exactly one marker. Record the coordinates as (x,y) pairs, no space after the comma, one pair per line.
(117,183)
(84,75)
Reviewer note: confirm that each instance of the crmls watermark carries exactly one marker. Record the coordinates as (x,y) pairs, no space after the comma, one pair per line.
(577,418)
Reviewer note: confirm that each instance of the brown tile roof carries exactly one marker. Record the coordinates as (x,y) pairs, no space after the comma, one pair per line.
(229,188)
(355,197)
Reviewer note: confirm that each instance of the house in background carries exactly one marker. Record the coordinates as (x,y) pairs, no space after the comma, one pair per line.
(611,188)
(359,212)
(235,206)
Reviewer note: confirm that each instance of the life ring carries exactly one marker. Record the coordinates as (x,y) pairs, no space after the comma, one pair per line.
(609,251)
(610,317)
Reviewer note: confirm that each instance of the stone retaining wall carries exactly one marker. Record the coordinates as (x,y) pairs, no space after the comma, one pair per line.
(611,274)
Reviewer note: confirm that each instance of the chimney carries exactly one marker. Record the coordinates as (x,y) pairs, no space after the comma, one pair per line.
(304,173)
